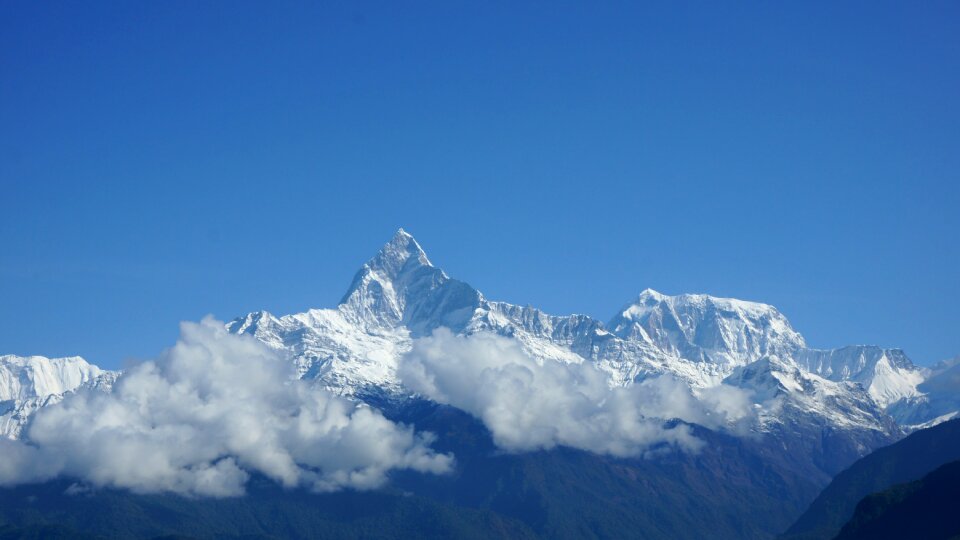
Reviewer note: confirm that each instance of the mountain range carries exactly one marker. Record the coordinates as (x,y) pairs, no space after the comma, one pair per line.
(870,394)
(815,411)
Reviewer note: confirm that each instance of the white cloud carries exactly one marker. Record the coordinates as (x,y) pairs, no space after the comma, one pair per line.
(527,405)
(209,412)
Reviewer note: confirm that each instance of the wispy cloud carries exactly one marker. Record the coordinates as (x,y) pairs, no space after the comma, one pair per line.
(527,405)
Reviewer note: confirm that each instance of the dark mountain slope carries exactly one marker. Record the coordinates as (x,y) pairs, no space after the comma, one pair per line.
(266,512)
(903,461)
(926,508)
(734,488)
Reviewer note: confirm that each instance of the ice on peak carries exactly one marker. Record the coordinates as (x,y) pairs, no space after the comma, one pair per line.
(648,294)
(400,285)
(700,327)
(250,322)
(768,376)
(751,308)
(24,377)
(401,250)
(650,297)
(396,260)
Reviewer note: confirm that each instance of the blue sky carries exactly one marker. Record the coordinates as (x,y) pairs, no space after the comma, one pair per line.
(162,161)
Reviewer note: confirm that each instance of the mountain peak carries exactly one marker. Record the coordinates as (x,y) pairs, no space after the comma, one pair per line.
(401,250)
(650,294)
(401,254)
(707,328)
(400,285)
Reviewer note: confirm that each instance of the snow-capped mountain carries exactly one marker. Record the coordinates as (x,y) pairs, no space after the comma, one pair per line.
(399,295)
(788,393)
(937,397)
(887,374)
(37,376)
(28,383)
(706,329)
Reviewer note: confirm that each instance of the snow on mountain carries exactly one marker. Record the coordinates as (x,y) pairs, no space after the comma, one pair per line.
(37,376)
(399,295)
(15,414)
(327,345)
(707,329)
(28,383)
(780,382)
(887,374)
(400,286)
(937,399)
(733,333)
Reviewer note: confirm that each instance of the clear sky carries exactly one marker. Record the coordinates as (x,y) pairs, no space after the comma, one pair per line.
(160,161)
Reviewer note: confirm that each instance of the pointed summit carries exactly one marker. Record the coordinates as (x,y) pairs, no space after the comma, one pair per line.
(400,285)
(377,280)
(396,254)
(650,294)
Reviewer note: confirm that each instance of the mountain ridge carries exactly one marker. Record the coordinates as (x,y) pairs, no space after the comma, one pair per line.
(704,340)
(397,296)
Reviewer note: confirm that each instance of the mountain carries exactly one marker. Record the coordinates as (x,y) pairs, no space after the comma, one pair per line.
(831,423)
(36,376)
(399,295)
(937,398)
(817,411)
(847,397)
(904,461)
(28,383)
(887,374)
(920,509)
(395,297)
(268,512)
(706,329)
(736,488)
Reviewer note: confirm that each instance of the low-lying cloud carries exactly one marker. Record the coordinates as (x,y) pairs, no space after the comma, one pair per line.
(527,405)
(207,414)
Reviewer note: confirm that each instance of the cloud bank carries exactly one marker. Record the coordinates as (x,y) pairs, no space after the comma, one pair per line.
(529,406)
(203,417)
